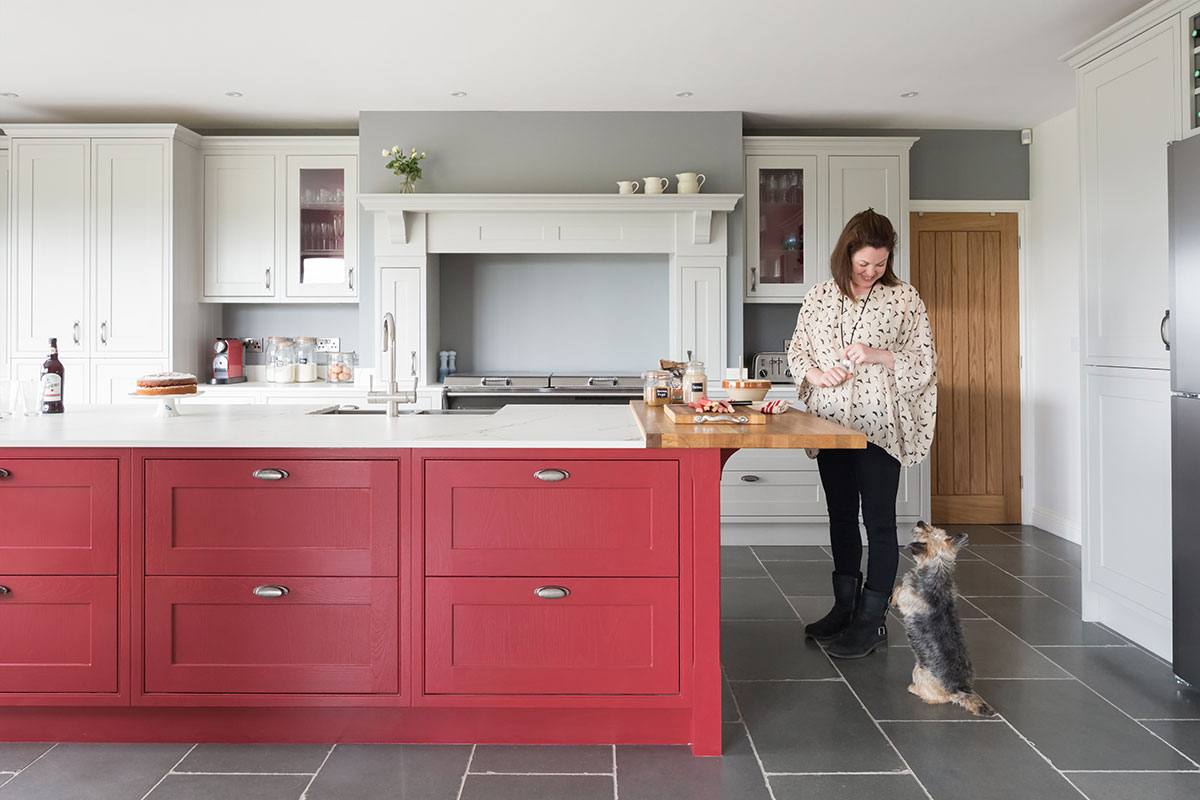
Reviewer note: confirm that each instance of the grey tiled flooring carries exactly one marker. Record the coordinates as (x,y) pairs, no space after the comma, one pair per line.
(1084,714)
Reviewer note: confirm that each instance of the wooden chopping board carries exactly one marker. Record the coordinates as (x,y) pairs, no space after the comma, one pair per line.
(686,415)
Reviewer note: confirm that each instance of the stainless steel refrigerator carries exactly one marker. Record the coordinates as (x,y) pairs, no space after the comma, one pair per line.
(1181,330)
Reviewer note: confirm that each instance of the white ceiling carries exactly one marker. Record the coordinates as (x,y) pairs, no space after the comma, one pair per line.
(315,64)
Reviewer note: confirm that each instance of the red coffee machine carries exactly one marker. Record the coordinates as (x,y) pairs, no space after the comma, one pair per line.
(228,366)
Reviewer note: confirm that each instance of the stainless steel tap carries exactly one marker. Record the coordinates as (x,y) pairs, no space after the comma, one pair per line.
(392,395)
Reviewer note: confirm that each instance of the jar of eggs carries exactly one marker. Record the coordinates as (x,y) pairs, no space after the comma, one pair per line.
(341,368)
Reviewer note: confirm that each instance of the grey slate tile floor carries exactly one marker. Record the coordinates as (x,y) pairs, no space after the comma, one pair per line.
(1084,714)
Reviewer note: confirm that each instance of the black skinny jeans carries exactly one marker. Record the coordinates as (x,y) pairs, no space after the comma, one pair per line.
(875,476)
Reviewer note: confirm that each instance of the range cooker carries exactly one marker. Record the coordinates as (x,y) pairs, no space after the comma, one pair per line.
(493,391)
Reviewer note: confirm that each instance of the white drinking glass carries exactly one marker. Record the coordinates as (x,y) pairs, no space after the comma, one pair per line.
(30,392)
(8,396)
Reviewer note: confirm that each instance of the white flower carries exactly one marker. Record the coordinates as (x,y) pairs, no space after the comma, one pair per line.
(414,151)
(396,149)
(422,155)
(387,152)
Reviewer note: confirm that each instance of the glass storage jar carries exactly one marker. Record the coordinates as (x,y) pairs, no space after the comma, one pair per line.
(695,382)
(306,359)
(281,360)
(656,389)
(341,368)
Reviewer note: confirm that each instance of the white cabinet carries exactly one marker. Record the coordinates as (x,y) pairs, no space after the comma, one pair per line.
(801,191)
(51,218)
(281,219)
(4,254)
(113,380)
(77,381)
(400,295)
(1128,111)
(1127,538)
(701,314)
(239,227)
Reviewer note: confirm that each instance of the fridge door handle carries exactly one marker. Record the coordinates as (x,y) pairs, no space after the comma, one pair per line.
(1162,329)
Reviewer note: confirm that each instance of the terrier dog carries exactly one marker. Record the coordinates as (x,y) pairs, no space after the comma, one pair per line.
(926,599)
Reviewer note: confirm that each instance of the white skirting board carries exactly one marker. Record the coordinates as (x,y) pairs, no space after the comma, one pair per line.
(1152,631)
(1053,522)
(794,533)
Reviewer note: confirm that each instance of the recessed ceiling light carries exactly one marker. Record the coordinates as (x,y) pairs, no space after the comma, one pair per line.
(683,94)
(233,94)
(458,94)
(909,94)
(9,94)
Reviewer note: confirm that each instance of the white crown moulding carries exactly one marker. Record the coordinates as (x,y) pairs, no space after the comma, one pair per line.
(396,207)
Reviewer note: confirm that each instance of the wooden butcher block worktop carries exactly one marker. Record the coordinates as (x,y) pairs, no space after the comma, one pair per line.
(794,429)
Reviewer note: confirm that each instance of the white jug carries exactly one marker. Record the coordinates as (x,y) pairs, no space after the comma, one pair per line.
(627,187)
(655,185)
(690,182)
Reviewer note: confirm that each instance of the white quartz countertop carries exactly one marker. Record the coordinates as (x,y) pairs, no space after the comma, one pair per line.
(584,426)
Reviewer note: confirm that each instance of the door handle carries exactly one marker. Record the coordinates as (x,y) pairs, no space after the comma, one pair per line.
(352,279)
(754,279)
(1162,329)
(270,474)
(4,590)
(552,475)
(75,331)
(268,277)
(104,332)
(4,473)
(552,592)
(751,478)
(270,590)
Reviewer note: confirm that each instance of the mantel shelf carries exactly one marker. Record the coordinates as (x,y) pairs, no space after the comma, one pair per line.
(397,209)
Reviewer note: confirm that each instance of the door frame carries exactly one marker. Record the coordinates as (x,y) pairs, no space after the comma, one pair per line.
(1021,208)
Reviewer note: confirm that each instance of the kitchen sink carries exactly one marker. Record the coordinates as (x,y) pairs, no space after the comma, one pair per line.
(405,412)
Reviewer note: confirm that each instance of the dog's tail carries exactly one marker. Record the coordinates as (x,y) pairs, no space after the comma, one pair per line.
(974,703)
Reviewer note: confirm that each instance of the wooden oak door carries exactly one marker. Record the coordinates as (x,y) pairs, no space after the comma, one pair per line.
(965,267)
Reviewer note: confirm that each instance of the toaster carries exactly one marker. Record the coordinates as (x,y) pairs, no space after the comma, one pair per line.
(772,367)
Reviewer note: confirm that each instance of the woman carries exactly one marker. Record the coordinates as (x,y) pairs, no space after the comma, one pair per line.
(863,356)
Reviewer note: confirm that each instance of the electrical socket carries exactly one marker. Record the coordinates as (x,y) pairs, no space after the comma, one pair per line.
(252,345)
(332,345)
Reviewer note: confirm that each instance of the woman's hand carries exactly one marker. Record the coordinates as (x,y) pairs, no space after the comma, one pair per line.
(827,378)
(859,353)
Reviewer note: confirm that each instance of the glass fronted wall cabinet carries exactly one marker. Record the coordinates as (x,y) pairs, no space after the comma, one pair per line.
(321,207)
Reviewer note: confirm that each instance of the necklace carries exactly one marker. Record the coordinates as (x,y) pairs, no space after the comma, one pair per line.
(841,316)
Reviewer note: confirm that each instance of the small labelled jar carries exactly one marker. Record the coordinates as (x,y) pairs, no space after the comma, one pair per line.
(341,368)
(281,360)
(656,387)
(306,359)
(695,382)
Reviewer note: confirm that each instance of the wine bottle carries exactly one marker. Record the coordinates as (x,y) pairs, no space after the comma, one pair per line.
(52,382)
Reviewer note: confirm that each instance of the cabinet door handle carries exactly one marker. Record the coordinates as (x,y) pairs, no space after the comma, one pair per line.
(4,473)
(268,277)
(270,474)
(552,592)
(1162,329)
(551,475)
(75,331)
(751,478)
(754,279)
(104,332)
(352,279)
(4,590)
(270,590)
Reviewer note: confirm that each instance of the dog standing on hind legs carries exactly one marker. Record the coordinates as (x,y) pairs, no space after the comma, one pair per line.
(926,599)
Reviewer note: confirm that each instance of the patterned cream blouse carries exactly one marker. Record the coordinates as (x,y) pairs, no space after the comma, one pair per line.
(896,409)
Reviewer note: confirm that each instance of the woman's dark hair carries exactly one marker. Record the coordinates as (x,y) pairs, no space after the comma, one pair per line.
(865,229)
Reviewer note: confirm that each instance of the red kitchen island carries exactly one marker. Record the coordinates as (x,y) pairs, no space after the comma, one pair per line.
(543,575)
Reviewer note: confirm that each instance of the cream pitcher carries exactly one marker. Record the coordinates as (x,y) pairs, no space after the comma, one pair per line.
(689,182)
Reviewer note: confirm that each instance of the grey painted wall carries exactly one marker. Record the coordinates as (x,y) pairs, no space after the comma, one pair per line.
(308,319)
(502,151)
(552,312)
(943,165)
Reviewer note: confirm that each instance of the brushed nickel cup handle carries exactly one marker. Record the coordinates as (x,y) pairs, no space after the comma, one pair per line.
(751,478)
(552,592)
(4,473)
(270,590)
(271,474)
(5,590)
(551,475)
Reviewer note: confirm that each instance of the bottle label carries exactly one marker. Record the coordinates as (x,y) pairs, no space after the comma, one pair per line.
(51,388)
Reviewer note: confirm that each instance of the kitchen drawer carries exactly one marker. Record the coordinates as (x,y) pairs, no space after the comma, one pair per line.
(325,636)
(773,460)
(58,634)
(58,516)
(771,494)
(496,636)
(488,518)
(326,517)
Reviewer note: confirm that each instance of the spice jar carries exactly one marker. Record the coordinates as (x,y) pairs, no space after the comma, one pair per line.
(306,359)
(281,360)
(656,389)
(341,368)
(695,382)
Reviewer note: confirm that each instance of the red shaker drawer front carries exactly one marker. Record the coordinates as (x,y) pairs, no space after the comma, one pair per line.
(58,634)
(254,516)
(58,516)
(324,636)
(541,517)
(497,636)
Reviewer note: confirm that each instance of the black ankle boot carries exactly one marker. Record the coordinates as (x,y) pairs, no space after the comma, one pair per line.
(845,598)
(868,632)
